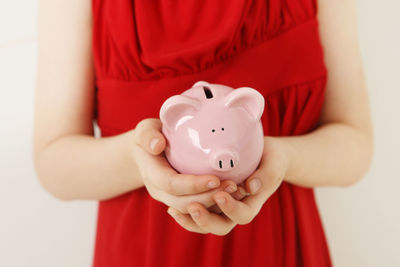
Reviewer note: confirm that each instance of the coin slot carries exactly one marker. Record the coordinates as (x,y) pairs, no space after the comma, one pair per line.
(207,92)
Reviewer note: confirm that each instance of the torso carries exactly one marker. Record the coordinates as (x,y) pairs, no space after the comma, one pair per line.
(146,51)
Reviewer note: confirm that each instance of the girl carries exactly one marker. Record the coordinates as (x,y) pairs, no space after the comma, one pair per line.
(117,61)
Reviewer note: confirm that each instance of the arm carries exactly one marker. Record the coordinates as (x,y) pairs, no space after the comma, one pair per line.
(337,153)
(340,150)
(69,161)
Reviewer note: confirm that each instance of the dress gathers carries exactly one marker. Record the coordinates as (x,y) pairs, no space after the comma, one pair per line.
(147,50)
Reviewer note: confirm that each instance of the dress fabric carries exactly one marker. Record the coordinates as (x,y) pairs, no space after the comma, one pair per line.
(147,50)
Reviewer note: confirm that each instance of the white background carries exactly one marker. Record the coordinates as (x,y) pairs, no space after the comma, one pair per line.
(362,222)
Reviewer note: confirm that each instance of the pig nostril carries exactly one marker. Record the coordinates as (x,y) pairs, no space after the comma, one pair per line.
(220,164)
(231,163)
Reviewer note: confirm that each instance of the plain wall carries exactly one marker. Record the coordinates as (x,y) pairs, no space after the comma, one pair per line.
(362,222)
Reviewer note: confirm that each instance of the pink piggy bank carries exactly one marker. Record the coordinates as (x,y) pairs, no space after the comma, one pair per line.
(214,129)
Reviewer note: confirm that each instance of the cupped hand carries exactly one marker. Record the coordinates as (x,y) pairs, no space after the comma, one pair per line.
(260,186)
(162,182)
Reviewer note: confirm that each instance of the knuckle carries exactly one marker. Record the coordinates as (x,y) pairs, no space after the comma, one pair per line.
(149,123)
(146,122)
(223,232)
(170,187)
(179,204)
(142,128)
(205,199)
(229,207)
(181,209)
(194,184)
(138,133)
(244,220)
(153,121)
(141,125)
(202,223)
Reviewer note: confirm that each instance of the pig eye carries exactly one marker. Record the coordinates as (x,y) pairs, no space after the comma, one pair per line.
(213,130)
(222,129)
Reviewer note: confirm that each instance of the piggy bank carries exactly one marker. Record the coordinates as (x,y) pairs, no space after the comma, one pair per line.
(214,129)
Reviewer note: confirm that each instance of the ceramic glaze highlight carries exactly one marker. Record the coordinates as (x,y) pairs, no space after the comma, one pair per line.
(214,129)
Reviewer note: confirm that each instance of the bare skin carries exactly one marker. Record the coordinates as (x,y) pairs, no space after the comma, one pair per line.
(72,164)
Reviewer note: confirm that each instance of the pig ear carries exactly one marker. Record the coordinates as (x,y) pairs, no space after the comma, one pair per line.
(201,83)
(177,109)
(248,99)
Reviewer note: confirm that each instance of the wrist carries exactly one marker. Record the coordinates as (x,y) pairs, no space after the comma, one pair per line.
(277,149)
(128,164)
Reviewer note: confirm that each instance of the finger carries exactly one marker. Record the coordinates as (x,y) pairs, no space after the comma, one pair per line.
(239,212)
(253,185)
(244,211)
(270,182)
(215,209)
(185,221)
(188,184)
(206,198)
(159,173)
(240,193)
(148,135)
(210,222)
(267,177)
(181,203)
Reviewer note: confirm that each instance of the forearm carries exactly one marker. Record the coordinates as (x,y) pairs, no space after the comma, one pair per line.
(335,154)
(85,167)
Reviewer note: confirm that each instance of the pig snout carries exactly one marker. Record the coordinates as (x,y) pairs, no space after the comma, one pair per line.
(223,160)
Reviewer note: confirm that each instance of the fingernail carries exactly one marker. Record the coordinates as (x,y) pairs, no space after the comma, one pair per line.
(153,143)
(255,185)
(195,213)
(221,200)
(212,184)
(230,189)
(242,191)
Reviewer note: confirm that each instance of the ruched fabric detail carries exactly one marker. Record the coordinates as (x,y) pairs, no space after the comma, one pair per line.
(144,40)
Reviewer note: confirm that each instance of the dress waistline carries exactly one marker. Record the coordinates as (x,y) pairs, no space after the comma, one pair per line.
(293,57)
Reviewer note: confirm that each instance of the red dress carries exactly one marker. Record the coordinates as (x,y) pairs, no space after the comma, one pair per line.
(148,50)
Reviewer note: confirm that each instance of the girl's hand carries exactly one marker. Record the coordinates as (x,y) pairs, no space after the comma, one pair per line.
(261,185)
(162,182)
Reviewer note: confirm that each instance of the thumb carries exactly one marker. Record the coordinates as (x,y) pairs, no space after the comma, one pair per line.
(253,184)
(148,135)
